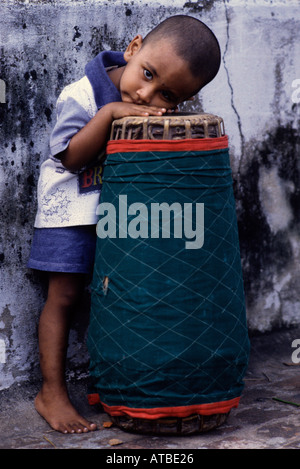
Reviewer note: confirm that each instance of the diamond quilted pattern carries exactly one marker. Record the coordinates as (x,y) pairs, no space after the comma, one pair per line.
(170,330)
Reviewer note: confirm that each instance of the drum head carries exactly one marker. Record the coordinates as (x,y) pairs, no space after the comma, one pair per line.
(173,126)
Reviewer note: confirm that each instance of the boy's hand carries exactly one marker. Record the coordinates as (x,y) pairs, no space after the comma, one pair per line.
(122,109)
(86,144)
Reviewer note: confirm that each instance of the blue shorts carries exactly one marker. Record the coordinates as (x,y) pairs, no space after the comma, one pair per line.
(70,249)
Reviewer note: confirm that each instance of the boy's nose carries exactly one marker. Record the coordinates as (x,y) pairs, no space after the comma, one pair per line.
(145,94)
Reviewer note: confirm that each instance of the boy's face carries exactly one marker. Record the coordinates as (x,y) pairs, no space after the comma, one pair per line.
(155,75)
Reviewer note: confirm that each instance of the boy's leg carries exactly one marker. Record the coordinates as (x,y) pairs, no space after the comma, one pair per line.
(53,402)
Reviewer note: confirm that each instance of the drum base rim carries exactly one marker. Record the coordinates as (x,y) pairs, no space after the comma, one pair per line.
(180,426)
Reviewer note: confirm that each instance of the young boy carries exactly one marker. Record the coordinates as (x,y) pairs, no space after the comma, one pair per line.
(152,77)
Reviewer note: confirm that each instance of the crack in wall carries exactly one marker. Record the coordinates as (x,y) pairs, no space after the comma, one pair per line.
(239,123)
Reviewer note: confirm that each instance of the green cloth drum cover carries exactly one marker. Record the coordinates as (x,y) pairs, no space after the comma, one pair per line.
(168,333)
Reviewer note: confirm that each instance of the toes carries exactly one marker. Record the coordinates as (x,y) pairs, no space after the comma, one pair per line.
(78,427)
(72,426)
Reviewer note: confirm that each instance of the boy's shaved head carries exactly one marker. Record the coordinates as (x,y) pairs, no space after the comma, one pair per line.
(194,42)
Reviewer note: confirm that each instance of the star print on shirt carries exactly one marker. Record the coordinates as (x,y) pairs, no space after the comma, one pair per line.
(56,205)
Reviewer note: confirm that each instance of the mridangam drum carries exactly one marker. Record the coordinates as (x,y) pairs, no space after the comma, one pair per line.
(168,339)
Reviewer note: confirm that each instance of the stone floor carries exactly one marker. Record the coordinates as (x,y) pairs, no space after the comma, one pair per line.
(260,421)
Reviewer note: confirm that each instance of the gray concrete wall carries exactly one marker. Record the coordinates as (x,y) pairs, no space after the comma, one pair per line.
(45,45)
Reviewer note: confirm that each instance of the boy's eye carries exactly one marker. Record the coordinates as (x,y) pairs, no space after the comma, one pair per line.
(148,74)
(167,96)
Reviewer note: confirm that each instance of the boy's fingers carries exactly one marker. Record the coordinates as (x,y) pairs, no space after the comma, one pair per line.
(131,109)
(145,110)
(171,111)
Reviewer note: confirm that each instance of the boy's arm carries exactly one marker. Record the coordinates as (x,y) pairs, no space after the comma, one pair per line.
(86,144)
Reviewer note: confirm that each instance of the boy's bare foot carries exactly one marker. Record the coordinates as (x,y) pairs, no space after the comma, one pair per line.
(60,414)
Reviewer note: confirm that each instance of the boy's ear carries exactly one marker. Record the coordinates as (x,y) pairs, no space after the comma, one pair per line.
(133,47)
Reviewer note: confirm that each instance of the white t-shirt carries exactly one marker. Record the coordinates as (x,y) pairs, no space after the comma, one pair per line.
(67,198)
